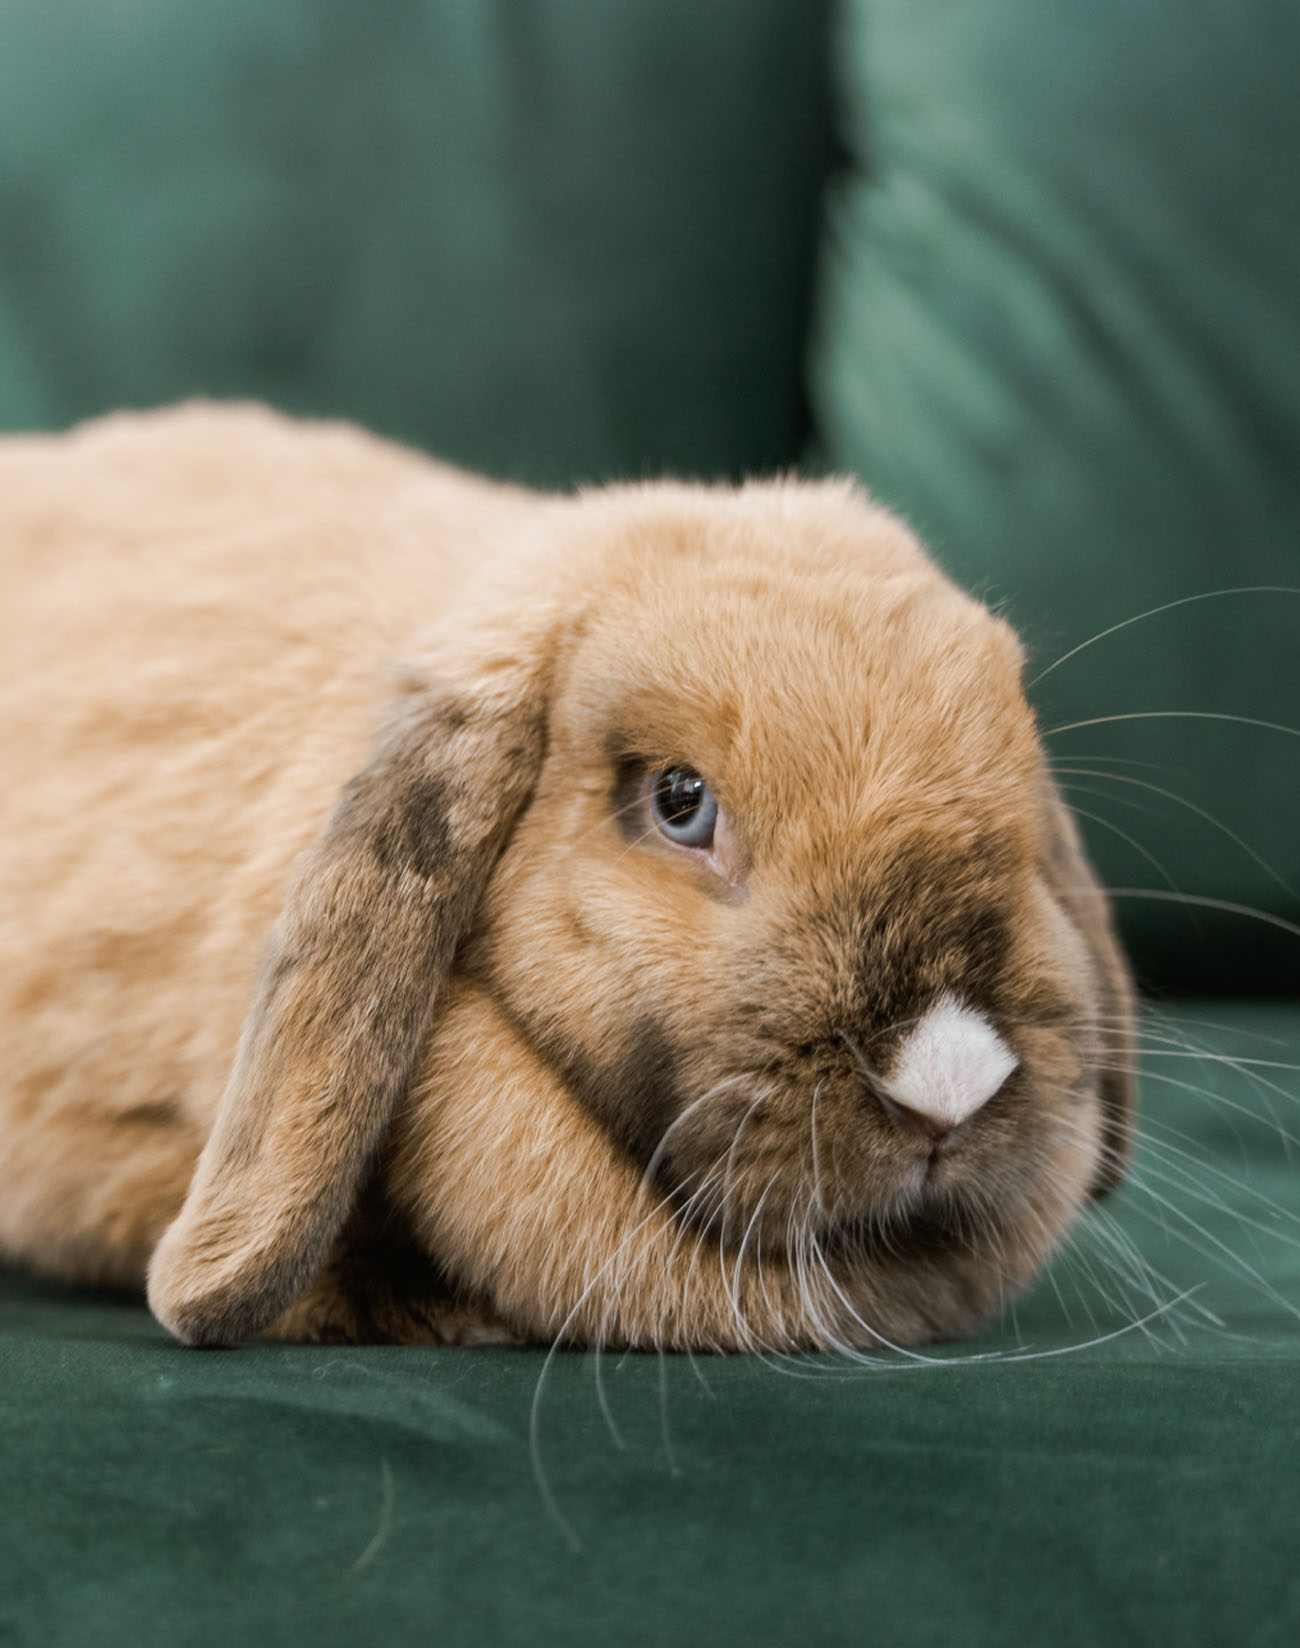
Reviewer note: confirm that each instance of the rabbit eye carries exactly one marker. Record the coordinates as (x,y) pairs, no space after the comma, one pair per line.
(682,807)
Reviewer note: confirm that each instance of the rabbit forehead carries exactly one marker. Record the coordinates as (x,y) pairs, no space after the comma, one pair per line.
(798,696)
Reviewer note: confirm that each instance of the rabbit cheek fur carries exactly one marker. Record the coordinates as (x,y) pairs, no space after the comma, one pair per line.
(516,1065)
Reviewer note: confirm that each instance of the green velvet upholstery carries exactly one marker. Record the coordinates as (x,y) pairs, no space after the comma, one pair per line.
(557,239)
(1058,329)
(1142,1489)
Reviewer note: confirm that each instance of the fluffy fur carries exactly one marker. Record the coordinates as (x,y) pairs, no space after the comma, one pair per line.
(511,1064)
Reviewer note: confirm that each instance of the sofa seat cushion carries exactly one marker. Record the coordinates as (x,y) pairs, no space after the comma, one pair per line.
(1118,1459)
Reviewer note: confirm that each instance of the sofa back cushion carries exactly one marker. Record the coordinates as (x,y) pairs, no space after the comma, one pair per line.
(1058,328)
(562,240)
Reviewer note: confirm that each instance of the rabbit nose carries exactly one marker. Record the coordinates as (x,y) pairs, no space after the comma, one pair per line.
(949,1066)
(907,1120)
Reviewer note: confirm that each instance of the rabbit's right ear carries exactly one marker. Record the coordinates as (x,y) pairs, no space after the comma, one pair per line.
(343,1006)
(1079,891)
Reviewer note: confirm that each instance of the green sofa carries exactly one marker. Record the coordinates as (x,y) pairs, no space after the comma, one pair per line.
(1029,268)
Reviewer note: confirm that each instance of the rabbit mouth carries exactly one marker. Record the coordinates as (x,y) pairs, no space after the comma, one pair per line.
(895,1193)
(788,1213)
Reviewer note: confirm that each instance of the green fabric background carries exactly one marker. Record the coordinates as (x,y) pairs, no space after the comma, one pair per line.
(558,239)
(1143,1490)
(1058,328)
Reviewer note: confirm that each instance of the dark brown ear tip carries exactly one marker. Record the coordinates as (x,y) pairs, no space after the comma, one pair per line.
(202,1322)
(195,1331)
(1115,1157)
(1110,1176)
(205,1304)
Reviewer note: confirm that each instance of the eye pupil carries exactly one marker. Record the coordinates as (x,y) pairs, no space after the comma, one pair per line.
(679,794)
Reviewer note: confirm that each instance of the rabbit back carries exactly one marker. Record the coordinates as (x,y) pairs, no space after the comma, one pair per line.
(196,609)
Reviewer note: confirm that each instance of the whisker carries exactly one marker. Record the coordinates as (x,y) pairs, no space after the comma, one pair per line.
(1131,841)
(1117,761)
(674,1469)
(818,1198)
(1179,1176)
(1232,1060)
(1160,1311)
(1152,612)
(1172,1022)
(734,1288)
(534,1419)
(602,1399)
(1144,1273)
(1201,902)
(1063,774)
(1175,715)
(651,1167)
(1206,1236)
(1200,812)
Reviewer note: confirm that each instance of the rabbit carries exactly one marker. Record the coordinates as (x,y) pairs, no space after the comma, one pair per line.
(676,938)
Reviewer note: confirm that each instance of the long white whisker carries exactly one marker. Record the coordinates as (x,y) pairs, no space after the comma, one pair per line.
(1204,903)
(1207,1236)
(818,1199)
(1152,612)
(1104,1338)
(1175,715)
(1191,807)
(534,1418)
(656,1157)
(1130,841)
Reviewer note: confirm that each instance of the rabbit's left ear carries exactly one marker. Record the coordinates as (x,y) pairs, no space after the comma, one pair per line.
(344,1002)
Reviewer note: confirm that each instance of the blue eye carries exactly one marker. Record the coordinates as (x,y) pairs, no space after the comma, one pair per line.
(682,807)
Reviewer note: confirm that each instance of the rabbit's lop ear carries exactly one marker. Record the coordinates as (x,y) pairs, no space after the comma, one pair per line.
(1076,888)
(344,1002)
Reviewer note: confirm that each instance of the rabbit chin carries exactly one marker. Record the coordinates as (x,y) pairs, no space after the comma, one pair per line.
(526,1201)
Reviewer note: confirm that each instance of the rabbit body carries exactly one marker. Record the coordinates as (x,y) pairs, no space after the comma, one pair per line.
(513,1066)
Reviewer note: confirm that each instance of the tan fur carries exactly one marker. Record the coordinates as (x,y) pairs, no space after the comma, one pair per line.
(273,673)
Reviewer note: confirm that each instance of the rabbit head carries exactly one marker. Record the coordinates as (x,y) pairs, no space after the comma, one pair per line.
(711,835)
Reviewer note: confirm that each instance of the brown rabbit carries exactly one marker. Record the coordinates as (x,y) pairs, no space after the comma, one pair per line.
(675,936)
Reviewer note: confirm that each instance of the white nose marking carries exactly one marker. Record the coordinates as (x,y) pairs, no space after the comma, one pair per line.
(953,1062)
